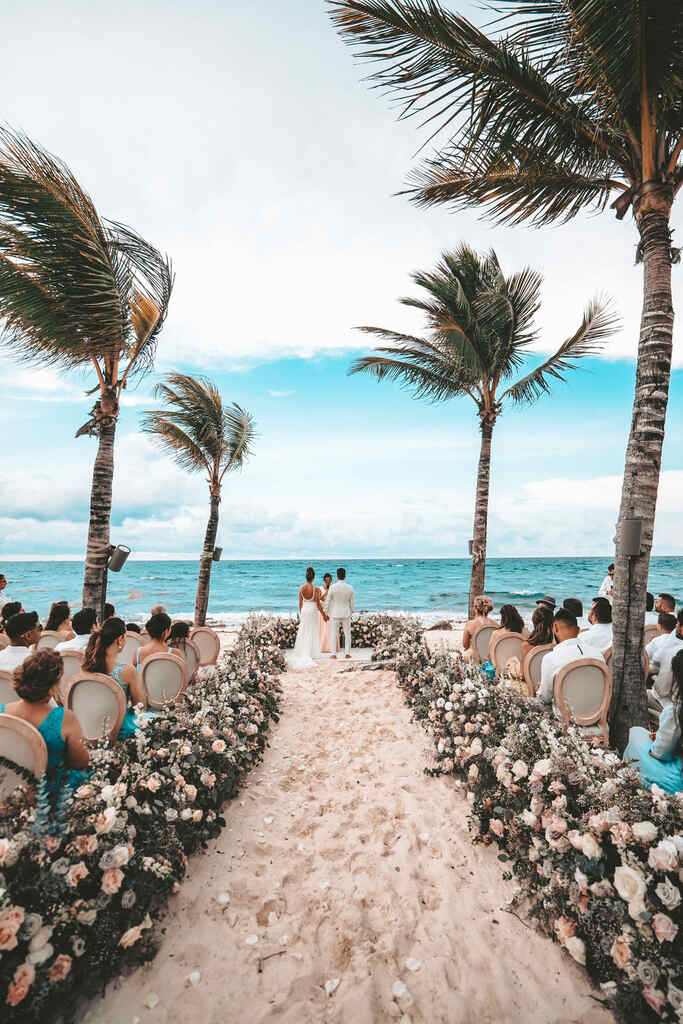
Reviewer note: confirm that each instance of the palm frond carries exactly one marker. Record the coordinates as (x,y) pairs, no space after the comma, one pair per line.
(172,439)
(422,381)
(240,432)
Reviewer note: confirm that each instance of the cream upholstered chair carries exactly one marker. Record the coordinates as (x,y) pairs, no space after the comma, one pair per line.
(504,645)
(22,744)
(73,663)
(193,659)
(208,644)
(481,638)
(649,633)
(164,677)
(132,643)
(7,691)
(48,640)
(531,667)
(646,661)
(98,703)
(583,690)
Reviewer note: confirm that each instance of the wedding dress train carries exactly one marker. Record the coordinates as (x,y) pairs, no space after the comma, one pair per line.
(307,646)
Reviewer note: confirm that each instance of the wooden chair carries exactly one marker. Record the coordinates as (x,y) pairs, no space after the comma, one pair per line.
(649,633)
(22,744)
(164,678)
(583,690)
(193,660)
(131,645)
(481,638)
(73,664)
(208,644)
(504,645)
(531,667)
(98,703)
(48,640)
(646,661)
(7,691)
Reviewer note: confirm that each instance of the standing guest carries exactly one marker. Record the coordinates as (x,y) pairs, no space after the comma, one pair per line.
(4,598)
(665,603)
(482,606)
(109,611)
(542,629)
(59,620)
(159,630)
(569,647)
(651,616)
(660,651)
(158,609)
(36,681)
(600,632)
(132,627)
(324,623)
(102,655)
(83,624)
(23,631)
(659,761)
(607,585)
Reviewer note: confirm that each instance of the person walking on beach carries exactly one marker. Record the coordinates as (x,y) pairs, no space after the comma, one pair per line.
(340,606)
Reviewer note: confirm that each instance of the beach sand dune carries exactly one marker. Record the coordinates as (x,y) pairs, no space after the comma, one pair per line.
(355,894)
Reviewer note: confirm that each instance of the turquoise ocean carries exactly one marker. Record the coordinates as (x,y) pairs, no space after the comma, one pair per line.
(430,587)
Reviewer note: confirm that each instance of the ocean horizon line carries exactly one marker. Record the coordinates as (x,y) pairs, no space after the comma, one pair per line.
(181,557)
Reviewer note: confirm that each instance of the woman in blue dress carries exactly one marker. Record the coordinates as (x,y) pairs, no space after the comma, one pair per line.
(660,760)
(36,681)
(102,654)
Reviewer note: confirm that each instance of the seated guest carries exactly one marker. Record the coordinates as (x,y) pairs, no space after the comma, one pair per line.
(132,627)
(665,603)
(659,760)
(574,606)
(10,609)
(482,606)
(542,631)
(180,632)
(570,646)
(660,651)
(600,632)
(511,620)
(651,615)
(59,620)
(159,629)
(109,611)
(36,681)
(101,655)
(548,602)
(23,631)
(607,585)
(158,609)
(83,624)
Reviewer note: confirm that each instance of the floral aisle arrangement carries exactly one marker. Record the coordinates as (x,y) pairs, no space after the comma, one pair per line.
(392,633)
(78,906)
(599,858)
(366,630)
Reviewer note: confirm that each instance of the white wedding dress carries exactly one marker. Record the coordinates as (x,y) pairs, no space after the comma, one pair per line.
(307,646)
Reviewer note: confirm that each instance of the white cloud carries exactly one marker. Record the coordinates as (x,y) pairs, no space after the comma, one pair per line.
(280,394)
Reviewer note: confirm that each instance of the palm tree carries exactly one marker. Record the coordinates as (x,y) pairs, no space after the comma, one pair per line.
(568,104)
(77,292)
(480,329)
(203,435)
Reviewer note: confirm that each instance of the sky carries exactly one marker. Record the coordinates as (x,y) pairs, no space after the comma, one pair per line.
(242,140)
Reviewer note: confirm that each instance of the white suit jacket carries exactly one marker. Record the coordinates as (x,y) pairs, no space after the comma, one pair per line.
(340,601)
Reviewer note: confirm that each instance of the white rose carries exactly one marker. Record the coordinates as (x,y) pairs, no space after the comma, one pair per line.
(476,746)
(591,847)
(630,884)
(542,767)
(645,831)
(41,938)
(9,853)
(536,805)
(529,819)
(669,894)
(121,856)
(576,948)
(520,769)
(473,773)
(108,793)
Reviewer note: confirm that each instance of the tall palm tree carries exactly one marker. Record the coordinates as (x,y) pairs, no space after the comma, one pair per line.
(203,435)
(77,292)
(568,105)
(480,329)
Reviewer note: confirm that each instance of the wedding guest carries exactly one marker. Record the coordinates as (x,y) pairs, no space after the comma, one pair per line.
(651,616)
(109,611)
(36,682)
(83,624)
(570,646)
(607,585)
(132,627)
(102,654)
(180,632)
(59,620)
(659,761)
(23,631)
(10,609)
(574,606)
(511,620)
(4,598)
(324,624)
(158,630)
(548,602)
(158,609)
(665,603)
(661,651)
(542,629)
(599,634)
(482,607)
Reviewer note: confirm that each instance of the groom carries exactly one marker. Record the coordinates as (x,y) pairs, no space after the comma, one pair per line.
(339,606)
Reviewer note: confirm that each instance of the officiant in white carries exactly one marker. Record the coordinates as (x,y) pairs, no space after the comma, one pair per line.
(339,606)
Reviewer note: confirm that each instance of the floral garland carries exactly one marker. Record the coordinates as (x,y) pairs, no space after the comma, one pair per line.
(366,630)
(79,906)
(599,858)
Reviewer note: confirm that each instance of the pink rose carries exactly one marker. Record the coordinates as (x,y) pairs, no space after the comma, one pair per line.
(24,977)
(153,783)
(496,826)
(597,822)
(664,928)
(76,874)
(112,880)
(130,937)
(486,729)
(664,856)
(53,843)
(621,833)
(11,920)
(252,729)
(60,968)
(218,746)
(85,844)
(104,822)
(564,928)
(197,816)
(469,728)
(654,998)
(620,952)
(191,793)
(84,791)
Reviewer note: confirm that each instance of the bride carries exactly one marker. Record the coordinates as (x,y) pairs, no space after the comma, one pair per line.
(307,646)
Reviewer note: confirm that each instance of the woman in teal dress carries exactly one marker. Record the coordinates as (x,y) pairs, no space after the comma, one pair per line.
(36,681)
(102,655)
(660,760)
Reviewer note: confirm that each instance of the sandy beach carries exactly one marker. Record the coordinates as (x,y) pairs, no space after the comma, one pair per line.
(345,888)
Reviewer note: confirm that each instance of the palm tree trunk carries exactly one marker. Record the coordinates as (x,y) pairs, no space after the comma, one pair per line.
(202,600)
(97,553)
(643,462)
(481,513)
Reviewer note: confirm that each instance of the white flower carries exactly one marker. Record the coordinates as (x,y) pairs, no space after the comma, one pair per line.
(520,769)
(528,818)
(591,847)
(476,746)
(645,831)
(630,884)
(576,948)
(473,773)
(108,794)
(542,767)
(669,894)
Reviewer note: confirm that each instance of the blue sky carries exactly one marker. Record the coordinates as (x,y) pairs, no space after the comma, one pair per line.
(245,144)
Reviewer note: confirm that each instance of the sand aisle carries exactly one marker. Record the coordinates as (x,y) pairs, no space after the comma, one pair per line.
(345,860)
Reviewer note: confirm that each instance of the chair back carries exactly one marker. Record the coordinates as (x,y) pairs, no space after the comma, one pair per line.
(48,640)
(73,663)
(132,643)
(504,645)
(583,689)
(481,638)
(649,633)
(208,644)
(7,691)
(533,663)
(164,677)
(98,703)
(22,744)
(193,660)
(646,661)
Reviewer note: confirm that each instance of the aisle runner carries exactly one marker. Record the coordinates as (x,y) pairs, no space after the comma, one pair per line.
(345,888)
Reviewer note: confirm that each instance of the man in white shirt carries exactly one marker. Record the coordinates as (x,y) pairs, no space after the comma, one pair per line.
(665,603)
(83,623)
(661,651)
(339,606)
(4,598)
(599,633)
(570,647)
(607,584)
(23,631)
